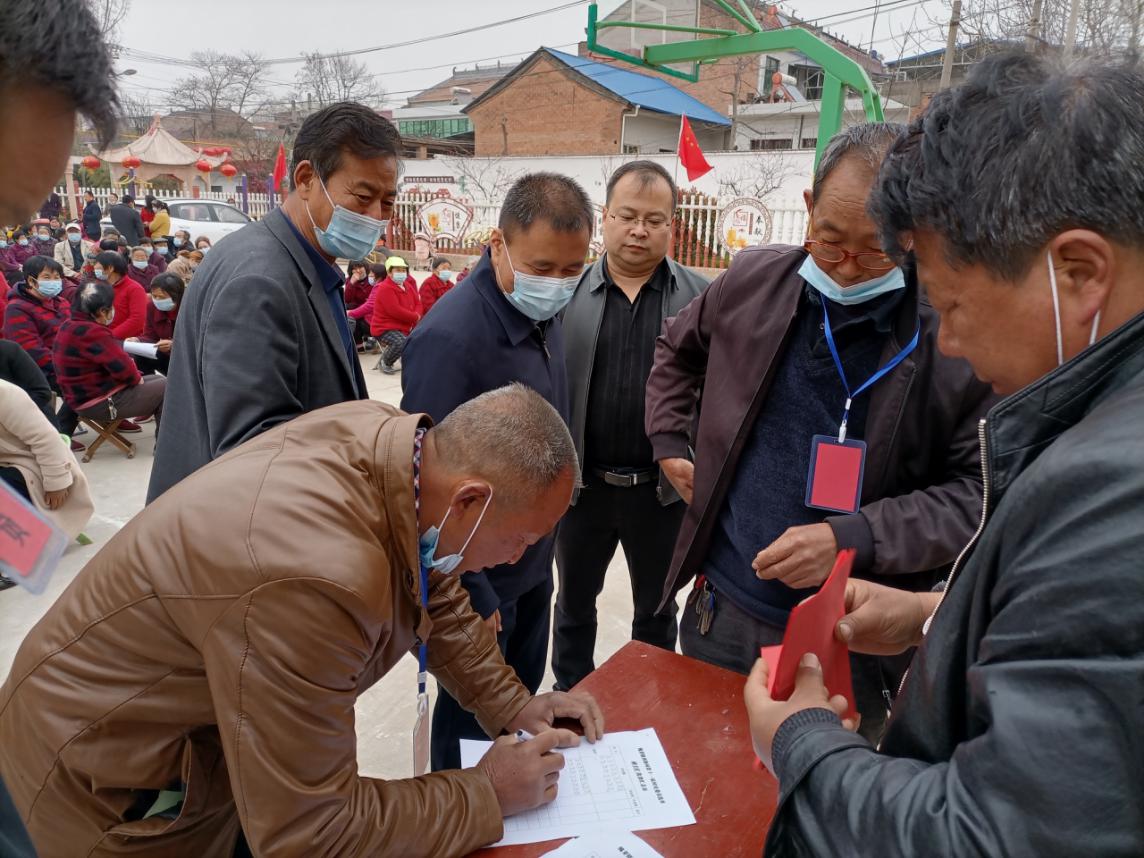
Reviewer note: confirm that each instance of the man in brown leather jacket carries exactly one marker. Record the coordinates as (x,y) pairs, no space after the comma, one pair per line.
(202,670)
(791,350)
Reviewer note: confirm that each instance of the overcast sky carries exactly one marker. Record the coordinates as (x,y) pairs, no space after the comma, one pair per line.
(278,29)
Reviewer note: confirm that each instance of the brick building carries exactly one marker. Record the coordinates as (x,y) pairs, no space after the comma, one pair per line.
(741,80)
(559,104)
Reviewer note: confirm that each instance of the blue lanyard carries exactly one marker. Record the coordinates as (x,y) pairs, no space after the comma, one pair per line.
(422,650)
(850,396)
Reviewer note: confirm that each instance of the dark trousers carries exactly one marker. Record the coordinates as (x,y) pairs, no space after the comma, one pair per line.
(523,639)
(359,330)
(14,840)
(149,366)
(606,516)
(733,642)
(16,481)
(393,345)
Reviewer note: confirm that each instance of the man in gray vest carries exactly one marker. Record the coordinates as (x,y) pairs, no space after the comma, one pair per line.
(611,326)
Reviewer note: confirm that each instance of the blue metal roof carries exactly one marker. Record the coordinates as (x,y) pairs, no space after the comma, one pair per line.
(650,93)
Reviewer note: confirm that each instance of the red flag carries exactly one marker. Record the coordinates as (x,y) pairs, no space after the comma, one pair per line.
(690,155)
(280,167)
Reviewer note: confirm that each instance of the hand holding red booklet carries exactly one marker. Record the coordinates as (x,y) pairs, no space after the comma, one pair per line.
(811,629)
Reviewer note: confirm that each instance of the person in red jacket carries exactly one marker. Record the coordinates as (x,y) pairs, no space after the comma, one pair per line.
(130,298)
(32,319)
(98,378)
(396,309)
(358,284)
(361,316)
(437,284)
(142,271)
(166,296)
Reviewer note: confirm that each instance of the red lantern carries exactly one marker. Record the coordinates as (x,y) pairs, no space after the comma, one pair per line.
(91,162)
(228,169)
(212,151)
(131,162)
(202,166)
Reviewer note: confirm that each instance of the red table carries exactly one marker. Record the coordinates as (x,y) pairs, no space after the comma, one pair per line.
(697,711)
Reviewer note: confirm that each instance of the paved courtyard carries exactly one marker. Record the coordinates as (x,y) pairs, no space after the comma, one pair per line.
(385,713)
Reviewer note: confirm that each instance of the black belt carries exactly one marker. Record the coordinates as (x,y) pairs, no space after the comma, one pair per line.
(626,479)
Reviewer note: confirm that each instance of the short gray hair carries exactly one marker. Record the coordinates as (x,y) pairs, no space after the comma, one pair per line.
(511,437)
(1026,148)
(869,141)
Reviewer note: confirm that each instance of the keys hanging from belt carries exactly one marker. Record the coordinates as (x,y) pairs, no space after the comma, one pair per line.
(704,604)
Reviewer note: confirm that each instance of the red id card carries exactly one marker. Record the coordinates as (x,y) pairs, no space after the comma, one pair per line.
(834,482)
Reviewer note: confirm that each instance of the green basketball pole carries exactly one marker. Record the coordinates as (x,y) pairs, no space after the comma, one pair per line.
(839,71)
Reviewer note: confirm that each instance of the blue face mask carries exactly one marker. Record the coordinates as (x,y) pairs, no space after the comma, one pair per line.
(539,298)
(164,304)
(73,237)
(348,235)
(430,538)
(100,274)
(398,277)
(49,288)
(23,242)
(178,242)
(3,242)
(859,293)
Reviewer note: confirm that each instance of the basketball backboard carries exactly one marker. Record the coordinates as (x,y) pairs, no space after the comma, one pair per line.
(623,28)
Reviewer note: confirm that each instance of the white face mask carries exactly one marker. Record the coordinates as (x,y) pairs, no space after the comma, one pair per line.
(1057,313)
(429,539)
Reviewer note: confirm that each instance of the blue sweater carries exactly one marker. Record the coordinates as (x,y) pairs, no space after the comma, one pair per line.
(806,398)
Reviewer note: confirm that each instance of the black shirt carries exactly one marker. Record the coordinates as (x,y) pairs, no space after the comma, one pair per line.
(614,429)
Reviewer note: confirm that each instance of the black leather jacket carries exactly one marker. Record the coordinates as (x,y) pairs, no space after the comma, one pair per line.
(1020,728)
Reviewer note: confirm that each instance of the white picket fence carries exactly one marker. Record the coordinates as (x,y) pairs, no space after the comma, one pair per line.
(693,243)
(255,205)
(694,240)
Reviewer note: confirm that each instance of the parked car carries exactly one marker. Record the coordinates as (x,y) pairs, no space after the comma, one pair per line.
(202,217)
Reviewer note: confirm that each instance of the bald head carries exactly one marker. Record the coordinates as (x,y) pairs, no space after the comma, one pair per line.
(510,437)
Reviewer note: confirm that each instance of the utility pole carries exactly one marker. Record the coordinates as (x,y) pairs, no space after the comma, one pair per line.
(951,46)
(1034,34)
(1070,29)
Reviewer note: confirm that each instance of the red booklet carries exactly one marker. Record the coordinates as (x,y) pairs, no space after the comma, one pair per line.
(811,629)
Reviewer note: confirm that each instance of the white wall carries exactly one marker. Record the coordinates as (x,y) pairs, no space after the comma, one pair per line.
(653,133)
(487,179)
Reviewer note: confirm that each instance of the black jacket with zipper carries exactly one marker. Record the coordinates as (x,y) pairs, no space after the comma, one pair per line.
(582,319)
(1020,727)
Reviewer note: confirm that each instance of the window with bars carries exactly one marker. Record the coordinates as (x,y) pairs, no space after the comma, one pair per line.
(772,143)
(809,143)
(809,81)
(770,67)
(433,127)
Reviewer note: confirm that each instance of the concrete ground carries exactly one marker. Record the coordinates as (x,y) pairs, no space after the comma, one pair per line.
(385,713)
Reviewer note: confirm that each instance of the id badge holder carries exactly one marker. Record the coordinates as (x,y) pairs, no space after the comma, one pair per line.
(421,737)
(834,482)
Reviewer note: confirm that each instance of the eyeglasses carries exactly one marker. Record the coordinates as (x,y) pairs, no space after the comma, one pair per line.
(652,224)
(870,260)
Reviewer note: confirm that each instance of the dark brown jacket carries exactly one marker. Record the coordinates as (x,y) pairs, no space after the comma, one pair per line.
(220,641)
(921,496)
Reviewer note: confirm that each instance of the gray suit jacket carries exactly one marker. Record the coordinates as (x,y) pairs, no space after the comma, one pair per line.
(582,319)
(256,344)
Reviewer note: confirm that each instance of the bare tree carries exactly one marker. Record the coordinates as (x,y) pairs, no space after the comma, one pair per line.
(325,80)
(221,86)
(1105,26)
(136,113)
(109,14)
(484,180)
(757,177)
(248,90)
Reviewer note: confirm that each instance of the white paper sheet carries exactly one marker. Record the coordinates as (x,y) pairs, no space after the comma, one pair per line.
(622,783)
(616,844)
(147,350)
